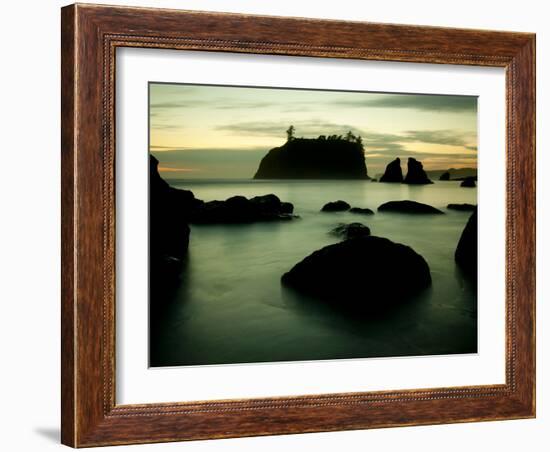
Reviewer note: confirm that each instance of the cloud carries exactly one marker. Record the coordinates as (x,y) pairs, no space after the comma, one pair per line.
(170,169)
(446,137)
(421,102)
(157,126)
(212,104)
(209,163)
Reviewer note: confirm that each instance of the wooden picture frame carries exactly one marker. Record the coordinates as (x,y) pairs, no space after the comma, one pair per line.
(90,36)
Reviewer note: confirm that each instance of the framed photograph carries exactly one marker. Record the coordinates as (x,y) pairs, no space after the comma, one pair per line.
(281,225)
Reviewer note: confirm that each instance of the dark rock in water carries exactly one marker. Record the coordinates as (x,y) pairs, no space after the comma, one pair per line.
(336,206)
(361,210)
(462,207)
(408,207)
(351,230)
(271,204)
(286,207)
(239,209)
(469,182)
(466,250)
(169,212)
(393,172)
(364,273)
(415,173)
(314,158)
(445,176)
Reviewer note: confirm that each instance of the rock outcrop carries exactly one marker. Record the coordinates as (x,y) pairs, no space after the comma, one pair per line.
(336,206)
(314,158)
(351,230)
(466,250)
(415,173)
(393,172)
(361,210)
(445,176)
(462,207)
(408,207)
(170,211)
(469,182)
(365,273)
(239,209)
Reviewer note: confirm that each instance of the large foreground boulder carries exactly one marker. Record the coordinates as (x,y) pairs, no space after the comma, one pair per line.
(393,172)
(351,230)
(408,207)
(365,273)
(239,209)
(466,250)
(336,206)
(415,173)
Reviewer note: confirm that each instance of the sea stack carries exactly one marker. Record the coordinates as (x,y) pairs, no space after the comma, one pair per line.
(415,173)
(445,176)
(330,157)
(393,172)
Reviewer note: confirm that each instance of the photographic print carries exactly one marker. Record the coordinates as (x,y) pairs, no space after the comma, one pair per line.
(295,224)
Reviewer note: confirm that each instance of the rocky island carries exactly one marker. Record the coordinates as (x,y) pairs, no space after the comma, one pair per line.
(332,157)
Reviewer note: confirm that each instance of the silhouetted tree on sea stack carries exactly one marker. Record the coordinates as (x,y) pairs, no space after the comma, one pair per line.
(290,133)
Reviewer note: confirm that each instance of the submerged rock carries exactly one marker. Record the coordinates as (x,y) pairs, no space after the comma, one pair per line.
(366,273)
(408,207)
(239,209)
(336,206)
(351,230)
(445,176)
(466,250)
(361,210)
(415,173)
(393,172)
(469,182)
(462,207)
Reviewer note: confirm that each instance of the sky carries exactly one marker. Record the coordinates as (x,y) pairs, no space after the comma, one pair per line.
(213,132)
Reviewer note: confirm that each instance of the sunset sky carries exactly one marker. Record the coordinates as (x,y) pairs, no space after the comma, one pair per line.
(199,131)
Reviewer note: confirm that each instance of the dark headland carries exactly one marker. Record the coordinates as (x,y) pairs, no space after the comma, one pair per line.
(332,157)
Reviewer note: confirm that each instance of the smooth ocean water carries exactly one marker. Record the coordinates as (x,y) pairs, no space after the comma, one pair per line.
(231,308)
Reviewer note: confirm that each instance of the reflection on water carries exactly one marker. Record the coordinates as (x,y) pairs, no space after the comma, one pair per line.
(231,308)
